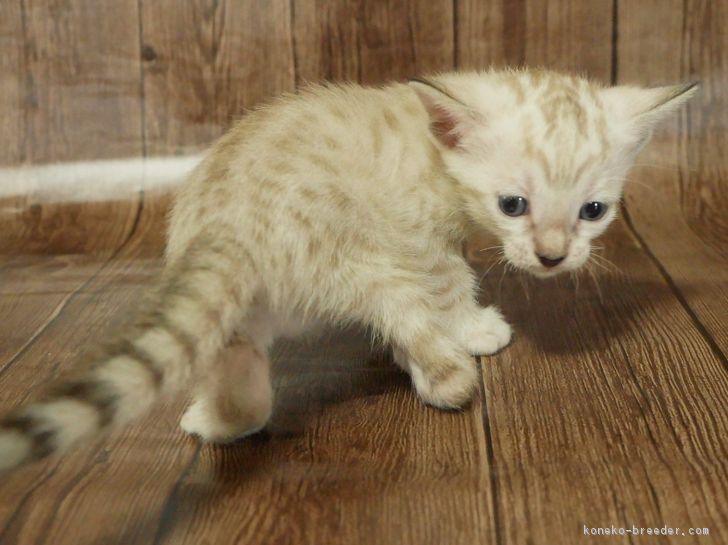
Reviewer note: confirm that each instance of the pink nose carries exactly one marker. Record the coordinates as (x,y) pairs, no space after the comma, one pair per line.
(550,261)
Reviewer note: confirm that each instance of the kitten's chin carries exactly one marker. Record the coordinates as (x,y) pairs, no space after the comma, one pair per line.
(545,273)
(540,272)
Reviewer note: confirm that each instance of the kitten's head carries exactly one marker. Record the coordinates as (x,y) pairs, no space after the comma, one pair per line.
(541,158)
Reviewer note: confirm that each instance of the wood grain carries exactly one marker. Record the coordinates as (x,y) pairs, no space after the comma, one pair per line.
(607,408)
(80,100)
(67,69)
(205,62)
(372,42)
(85,298)
(681,187)
(12,46)
(571,35)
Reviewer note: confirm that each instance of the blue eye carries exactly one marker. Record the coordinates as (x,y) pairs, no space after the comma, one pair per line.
(593,211)
(513,205)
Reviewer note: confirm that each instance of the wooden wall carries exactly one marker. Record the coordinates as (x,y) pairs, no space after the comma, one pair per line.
(88,79)
(111,78)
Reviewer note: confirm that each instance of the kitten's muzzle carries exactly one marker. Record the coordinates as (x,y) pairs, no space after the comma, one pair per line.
(550,261)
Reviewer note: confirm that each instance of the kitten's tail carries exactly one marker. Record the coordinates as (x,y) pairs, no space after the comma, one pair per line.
(180,328)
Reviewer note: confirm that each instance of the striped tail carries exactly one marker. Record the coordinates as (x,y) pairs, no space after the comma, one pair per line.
(179,329)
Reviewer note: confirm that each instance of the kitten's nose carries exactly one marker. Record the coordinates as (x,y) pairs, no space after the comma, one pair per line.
(550,261)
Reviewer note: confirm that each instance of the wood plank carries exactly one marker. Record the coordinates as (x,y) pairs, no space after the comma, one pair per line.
(605,410)
(571,35)
(39,288)
(206,62)
(12,49)
(116,483)
(80,99)
(36,288)
(69,72)
(372,42)
(351,456)
(680,190)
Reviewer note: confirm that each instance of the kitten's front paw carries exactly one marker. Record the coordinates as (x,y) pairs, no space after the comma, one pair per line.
(448,387)
(400,359)
(487,334)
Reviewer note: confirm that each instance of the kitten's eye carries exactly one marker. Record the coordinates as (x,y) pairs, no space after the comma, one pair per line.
(513,205)
(592,211)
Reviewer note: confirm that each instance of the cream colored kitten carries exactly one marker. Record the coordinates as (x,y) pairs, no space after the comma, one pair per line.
(350,204)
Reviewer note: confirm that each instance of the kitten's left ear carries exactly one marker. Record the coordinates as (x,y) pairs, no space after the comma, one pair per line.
(450,119)
(647,106)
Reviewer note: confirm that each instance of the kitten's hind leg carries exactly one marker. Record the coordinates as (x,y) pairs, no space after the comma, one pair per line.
(234,398)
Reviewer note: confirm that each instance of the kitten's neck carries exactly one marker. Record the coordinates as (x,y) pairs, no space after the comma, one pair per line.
(453,219)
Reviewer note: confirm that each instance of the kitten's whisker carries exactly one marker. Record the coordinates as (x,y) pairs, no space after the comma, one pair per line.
(575,279)
(499,246)
(604,259)
(665,166)
(596,282)
(606,264)
(524,284)
(643,184)
(673,167)
(602,267)
(503,275)
(629,181)
(482,277)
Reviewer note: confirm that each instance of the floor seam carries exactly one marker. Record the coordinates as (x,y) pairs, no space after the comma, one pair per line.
(715,348)
(490,456)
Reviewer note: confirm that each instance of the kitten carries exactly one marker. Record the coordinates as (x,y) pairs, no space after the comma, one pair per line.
(350,204)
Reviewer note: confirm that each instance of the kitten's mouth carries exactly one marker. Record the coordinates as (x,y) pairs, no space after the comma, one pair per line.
(543,272)
(540,271)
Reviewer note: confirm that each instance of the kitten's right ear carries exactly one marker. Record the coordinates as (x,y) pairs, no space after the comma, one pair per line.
(648,106)
(450,119)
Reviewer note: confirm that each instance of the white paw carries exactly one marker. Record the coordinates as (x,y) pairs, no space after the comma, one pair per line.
(201,421)
(449,388)
(487,334)
(401,359)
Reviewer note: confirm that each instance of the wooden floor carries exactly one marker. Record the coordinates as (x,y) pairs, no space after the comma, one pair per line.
(608,409)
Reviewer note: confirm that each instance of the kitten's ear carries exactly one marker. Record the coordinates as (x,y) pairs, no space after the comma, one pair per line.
(450,119)
(648,106)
